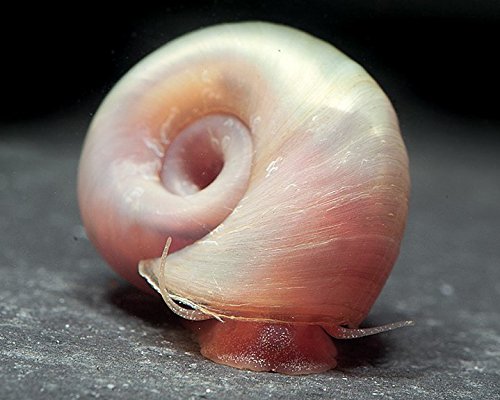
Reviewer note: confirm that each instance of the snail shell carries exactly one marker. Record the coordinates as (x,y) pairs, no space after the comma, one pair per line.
(275,165)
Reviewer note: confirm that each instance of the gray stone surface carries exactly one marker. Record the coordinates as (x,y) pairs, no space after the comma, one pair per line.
(70,328)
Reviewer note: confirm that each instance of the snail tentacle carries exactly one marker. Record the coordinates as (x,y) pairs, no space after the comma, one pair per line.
(200,313)
(340,332)
(197,313)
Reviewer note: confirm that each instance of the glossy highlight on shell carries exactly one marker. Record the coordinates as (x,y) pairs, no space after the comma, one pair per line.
(269,169)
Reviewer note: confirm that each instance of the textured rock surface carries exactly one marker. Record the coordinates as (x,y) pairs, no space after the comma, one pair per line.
(70,328)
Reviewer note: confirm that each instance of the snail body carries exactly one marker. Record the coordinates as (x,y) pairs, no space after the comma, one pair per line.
(274,166)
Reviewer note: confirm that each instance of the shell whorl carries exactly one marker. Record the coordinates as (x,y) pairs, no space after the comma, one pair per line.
(304,217)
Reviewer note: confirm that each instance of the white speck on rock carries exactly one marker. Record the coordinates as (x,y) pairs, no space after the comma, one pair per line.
(446,289)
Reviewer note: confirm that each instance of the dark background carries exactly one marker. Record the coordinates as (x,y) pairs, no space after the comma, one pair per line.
(444,52)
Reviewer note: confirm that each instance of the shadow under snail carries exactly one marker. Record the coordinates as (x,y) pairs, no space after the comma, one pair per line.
(269,169)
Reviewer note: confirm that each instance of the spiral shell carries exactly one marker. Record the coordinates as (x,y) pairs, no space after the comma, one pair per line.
(272,160)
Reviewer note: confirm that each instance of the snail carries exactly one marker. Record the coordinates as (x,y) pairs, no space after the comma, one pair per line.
(256,177)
